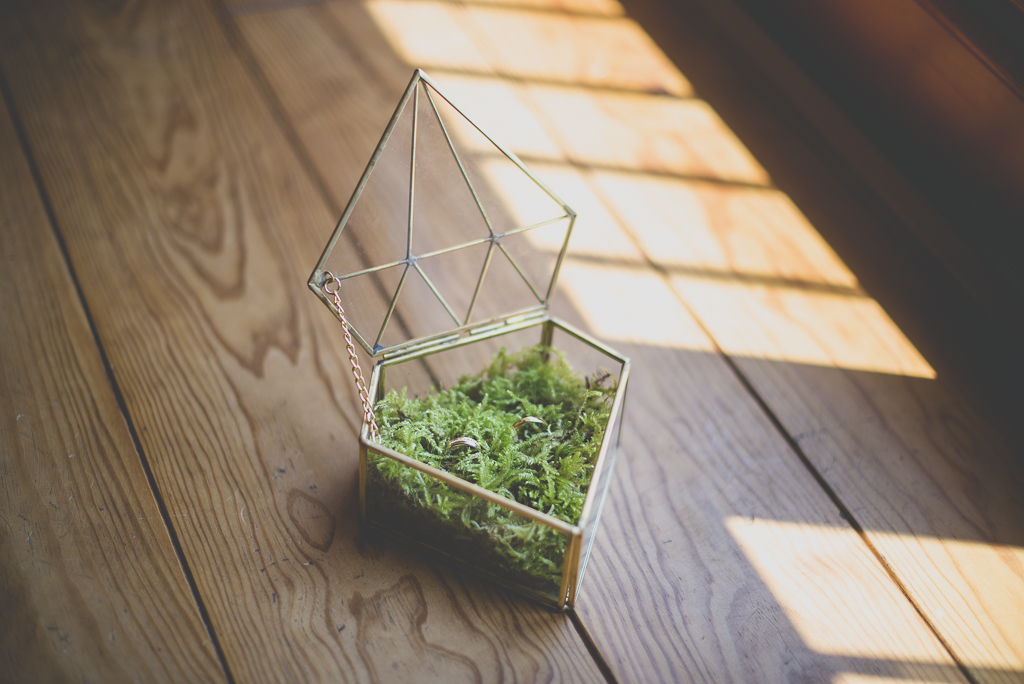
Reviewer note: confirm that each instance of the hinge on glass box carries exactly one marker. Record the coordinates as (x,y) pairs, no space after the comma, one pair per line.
(418,348)
(505,325)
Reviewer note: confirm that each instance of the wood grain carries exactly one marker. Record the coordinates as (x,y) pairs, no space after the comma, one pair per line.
(611,52)
(932,482)
(90,586)
(936,489)
(193,226)
(678,587)
(643,132)
(904,247)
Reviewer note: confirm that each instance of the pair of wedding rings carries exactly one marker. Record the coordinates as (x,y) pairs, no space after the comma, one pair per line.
(471,443)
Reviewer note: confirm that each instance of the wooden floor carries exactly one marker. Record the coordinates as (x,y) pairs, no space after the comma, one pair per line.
(804,493)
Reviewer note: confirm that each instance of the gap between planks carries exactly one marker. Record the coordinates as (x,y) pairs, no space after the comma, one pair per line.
(592,648)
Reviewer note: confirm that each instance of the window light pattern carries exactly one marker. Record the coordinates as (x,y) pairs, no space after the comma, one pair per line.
(439,234)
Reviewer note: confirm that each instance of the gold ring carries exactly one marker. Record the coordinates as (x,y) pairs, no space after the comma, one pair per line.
(463,441)
(529,420)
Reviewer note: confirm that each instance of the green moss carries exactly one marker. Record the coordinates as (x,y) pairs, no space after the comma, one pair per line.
(547,467)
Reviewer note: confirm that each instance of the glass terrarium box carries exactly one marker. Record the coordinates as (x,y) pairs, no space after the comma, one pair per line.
(490,427)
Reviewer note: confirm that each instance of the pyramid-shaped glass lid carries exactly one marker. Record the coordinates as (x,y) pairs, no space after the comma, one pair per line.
(446,230)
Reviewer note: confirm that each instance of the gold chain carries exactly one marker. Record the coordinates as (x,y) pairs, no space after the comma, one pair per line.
(357,372)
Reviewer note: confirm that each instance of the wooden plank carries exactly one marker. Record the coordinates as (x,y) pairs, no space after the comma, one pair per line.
(90,585)
(713,516)
(193,227)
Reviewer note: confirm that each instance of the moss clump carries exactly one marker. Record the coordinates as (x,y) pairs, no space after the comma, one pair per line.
(545,466)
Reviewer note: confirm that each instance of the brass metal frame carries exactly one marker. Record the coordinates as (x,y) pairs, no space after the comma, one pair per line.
(576,557)
(316,279)
(579,536)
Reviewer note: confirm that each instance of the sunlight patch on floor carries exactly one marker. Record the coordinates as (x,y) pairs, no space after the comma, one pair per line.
(608,8)
(609,123)
(611,52)
(644,132)
(997,582)
(428,34)
(795,559)
(595,51)
(632,305)
(815,570)
(508,116)
(747,231)
(858,678)
(818,328)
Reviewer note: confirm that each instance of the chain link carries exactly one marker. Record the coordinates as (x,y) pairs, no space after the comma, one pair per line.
(357,372)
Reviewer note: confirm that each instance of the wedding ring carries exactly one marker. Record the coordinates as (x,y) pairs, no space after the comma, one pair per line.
(529,420)
(463,442)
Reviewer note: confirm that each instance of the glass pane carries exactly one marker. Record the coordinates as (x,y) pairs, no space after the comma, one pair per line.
(600,488)
(377,229)
(493,540)
(480,241)
(510,198)
(445,214)
(583,356)
(503,290)
(529,250)
(366,299)
(592,361)
(420,312)
(455,275)
(445,368)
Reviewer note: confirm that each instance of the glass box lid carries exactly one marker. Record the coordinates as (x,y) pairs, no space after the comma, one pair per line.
(446,231)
